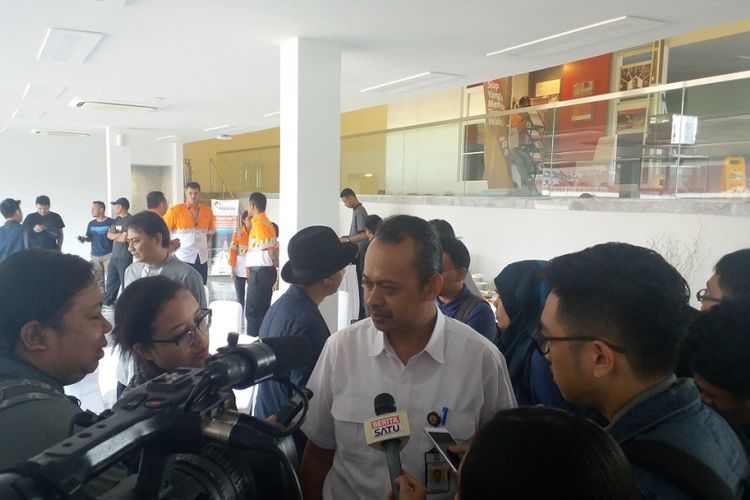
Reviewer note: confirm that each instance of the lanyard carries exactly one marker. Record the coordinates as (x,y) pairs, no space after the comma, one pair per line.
(196,216)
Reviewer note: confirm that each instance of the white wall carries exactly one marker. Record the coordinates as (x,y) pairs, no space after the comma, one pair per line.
(70,170)
(498,236)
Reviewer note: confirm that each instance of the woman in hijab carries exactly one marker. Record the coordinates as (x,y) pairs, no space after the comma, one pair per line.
(522,293)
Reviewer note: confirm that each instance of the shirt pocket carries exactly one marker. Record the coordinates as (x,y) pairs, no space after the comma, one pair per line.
(349,415)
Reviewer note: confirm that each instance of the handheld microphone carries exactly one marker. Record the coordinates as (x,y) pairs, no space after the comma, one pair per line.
(244,365)
(388,432)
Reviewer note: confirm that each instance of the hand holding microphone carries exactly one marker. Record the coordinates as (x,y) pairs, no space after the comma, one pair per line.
(388,432)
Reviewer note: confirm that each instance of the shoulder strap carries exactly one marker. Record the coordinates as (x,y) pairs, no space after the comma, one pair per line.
(21,390)
(468,306)
(678,467)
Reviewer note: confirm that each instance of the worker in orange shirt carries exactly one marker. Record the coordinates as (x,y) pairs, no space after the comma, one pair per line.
(259,261)
(193,224)
(237,252)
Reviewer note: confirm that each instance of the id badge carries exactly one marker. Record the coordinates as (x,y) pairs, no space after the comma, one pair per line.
(437,473)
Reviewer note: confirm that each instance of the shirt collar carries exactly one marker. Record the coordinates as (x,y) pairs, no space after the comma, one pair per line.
(435,347)
(259,216)
(647,394)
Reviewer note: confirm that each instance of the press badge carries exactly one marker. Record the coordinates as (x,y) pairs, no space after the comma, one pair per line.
(437,473)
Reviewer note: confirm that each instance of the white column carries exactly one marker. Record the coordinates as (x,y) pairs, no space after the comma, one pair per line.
(118,164)
(310,138)
(178,178)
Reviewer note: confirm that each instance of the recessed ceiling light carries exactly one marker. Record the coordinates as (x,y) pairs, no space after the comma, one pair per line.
(268,115)
(368,174)
(218,127)
(411,82)
(224,137)
(589,34)
(63,45)
(14,114)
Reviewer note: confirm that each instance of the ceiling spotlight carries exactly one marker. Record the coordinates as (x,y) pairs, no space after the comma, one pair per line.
(224,137)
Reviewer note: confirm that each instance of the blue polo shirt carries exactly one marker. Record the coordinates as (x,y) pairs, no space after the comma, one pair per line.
(480,318)
(97,232)
(294,313)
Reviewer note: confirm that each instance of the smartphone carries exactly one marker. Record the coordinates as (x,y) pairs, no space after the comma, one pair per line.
(442,439)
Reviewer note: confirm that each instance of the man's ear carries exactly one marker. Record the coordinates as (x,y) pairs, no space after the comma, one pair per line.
(462,272)
(433,286)
(33,336)
(143,351)
(603,357)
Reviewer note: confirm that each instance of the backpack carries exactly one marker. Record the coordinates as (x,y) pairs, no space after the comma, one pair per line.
(20,390)
(684,470)
(468,306)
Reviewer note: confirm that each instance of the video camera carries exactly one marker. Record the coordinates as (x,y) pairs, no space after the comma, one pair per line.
(192,445)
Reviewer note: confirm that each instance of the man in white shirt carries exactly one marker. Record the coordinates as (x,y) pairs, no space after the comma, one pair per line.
(438,370)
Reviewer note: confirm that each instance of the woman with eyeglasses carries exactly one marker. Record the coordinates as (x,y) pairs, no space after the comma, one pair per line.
(160,324)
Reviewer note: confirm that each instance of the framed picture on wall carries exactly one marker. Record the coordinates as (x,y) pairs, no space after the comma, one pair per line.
(631,116)
(635,76)
(582,112)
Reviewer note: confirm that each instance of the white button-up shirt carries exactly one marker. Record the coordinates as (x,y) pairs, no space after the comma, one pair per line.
(459,370)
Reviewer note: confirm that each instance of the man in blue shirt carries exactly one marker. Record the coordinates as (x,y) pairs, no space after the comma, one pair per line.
(456,300)
(611,329)
(14,237)
(101,246)
(315,269)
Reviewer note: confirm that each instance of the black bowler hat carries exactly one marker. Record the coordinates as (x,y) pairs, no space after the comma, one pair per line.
(315,252)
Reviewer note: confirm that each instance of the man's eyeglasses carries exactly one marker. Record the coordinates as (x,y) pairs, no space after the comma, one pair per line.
(543,342)
(202,322)
(702,295)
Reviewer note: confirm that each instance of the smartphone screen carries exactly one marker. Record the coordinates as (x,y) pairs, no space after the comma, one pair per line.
(442,440)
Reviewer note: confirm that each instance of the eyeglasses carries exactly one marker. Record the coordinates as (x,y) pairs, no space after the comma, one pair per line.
(543,342)
(202,322)
(702,295)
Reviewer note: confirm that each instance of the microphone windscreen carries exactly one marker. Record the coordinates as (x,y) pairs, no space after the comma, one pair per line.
(291,351)
(384,403)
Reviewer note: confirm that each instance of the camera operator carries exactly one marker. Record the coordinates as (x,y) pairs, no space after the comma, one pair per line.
(159,322)
(51,335)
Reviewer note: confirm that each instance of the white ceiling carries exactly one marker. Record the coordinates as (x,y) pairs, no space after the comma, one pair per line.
(208,63)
